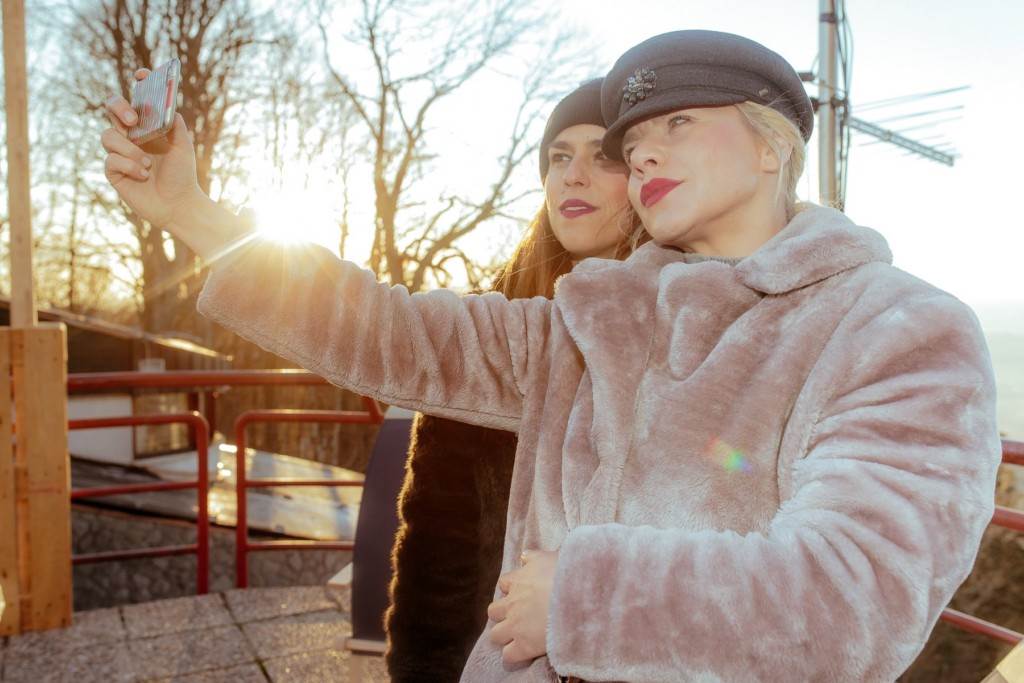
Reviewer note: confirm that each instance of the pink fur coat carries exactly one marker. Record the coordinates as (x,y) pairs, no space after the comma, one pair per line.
(773,471)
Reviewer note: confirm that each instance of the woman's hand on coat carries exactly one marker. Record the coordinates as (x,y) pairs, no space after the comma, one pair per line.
(522,613)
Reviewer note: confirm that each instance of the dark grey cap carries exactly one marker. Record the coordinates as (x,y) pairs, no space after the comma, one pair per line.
(582,105)
(698,69)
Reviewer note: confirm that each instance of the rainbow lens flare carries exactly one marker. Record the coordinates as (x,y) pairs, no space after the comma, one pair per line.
(731,459)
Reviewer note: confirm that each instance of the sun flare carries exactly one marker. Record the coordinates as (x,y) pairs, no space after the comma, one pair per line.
(296,217)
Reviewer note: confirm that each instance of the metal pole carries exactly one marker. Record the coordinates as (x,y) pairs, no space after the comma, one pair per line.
(828,129)
(19,202)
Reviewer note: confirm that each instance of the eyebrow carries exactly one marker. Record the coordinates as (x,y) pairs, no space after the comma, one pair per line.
(559,144)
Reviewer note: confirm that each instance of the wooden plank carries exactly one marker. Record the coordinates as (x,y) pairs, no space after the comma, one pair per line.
(39,371)
(19,202)
(10,620)
(1011,668)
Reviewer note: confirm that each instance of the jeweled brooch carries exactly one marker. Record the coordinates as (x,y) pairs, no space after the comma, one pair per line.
(639,85)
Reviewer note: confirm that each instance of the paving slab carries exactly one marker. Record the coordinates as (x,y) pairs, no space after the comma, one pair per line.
(297,634)
(87,628)
(177,654)
(96,663)
(324,665)
(175,615)
(246,673)
(254,604)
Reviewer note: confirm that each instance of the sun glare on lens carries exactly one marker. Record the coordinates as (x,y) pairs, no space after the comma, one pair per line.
(295,218)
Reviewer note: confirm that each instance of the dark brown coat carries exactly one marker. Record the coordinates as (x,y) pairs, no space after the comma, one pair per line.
(447,552)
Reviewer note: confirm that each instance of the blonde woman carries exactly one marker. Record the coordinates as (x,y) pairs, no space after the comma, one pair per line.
(752,451)
(447,552)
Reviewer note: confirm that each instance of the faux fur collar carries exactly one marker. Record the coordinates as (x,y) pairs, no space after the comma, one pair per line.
(609,306)
(818,243)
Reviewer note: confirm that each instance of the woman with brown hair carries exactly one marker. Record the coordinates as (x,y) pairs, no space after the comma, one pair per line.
(454,500)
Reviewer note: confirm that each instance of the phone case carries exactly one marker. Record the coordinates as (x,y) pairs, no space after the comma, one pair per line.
(155,100)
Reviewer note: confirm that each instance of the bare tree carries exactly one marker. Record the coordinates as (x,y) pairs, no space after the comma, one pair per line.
(416,238)
(216,41)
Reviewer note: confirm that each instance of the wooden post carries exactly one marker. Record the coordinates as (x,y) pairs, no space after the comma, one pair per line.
(1010,669)
(35,549)
(19,203)
(38,593)
(10,620)
(35,504)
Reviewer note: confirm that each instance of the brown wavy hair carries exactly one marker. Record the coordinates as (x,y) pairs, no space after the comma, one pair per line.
(539,259)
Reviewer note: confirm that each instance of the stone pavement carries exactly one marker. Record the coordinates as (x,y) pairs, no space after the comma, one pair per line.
(283,635)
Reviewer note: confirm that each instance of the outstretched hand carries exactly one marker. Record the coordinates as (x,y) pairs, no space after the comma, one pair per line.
(157,182)
(522,613)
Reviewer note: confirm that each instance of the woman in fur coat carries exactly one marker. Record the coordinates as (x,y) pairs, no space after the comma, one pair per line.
(452,507)
(752,451)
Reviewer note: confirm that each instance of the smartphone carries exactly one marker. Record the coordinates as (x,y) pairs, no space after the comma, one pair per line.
(155,100)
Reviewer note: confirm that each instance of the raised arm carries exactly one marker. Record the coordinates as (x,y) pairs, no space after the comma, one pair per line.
(888,507)
(461,357)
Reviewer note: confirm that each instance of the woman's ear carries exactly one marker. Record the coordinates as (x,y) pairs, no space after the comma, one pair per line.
(774,156)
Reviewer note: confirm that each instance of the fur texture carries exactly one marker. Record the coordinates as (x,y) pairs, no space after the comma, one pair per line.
(447,552)
(774,471)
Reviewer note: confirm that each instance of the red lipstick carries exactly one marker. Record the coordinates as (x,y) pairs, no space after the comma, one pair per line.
(653,190)
(573,208)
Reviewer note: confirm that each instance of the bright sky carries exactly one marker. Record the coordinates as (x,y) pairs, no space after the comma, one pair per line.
(951,226)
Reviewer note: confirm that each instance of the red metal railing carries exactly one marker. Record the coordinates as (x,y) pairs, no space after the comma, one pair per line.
(196,383)
(205,383)
(1013,454)
(201,548)
(243,545)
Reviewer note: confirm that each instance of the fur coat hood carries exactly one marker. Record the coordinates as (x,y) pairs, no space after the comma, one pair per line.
(778,470)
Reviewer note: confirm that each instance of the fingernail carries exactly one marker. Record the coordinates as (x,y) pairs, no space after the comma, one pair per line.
(145,173)
(130,117)
(147,162)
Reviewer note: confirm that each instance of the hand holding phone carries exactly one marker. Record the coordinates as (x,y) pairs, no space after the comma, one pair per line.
(158,180)
(155,100)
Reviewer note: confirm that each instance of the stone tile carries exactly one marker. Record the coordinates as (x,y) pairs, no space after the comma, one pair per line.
(253,604)
(177,654)
(376,671)
(175,615)
(342,595)
(325,630)
(247,673)
(96,663)
(87,628)
(324,665)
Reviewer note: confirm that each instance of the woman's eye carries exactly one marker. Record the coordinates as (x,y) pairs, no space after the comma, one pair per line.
(558,157)
(678,120)
(627,153)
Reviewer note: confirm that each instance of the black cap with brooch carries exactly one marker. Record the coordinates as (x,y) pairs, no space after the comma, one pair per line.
(582,105)
(698,69)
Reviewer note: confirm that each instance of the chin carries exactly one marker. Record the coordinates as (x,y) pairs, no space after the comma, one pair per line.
(666,231)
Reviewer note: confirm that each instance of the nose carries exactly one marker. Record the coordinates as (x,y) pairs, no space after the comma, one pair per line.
(578,173)
(645,156)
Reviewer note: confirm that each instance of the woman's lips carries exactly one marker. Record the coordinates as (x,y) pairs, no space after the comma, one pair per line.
(573,208)
(653,190)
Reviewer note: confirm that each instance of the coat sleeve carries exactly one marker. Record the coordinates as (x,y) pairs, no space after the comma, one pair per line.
(462,357)
(888,505)
(447,553)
